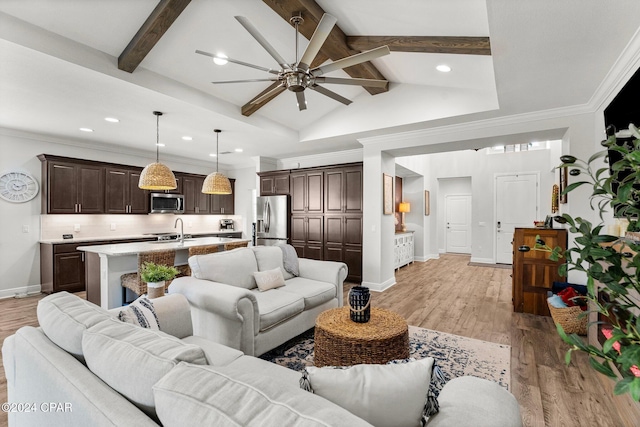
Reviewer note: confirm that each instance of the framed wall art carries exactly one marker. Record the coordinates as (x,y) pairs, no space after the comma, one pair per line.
(387,194)
(426,202)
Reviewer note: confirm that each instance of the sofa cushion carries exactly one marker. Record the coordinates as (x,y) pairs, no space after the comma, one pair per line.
(276,306)
(64,317)
(269,279)
(270,257)
(372,391)
(131,359)
(221,397)
(217,354)
(486,402)
(313,292)
(233,268)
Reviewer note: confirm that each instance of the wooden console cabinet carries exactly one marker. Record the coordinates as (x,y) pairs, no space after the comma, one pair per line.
(533,271)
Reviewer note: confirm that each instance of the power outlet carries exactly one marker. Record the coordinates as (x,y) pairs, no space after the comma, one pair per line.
(113,226)
(25,228)
(76,227)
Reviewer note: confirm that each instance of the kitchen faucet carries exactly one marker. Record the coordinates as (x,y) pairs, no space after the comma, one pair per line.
(181,235)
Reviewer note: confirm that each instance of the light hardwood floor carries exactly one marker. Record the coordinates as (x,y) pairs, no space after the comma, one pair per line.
(450,296)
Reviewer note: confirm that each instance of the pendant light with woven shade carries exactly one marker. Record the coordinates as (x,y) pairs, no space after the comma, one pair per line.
(216,183)
(157,176)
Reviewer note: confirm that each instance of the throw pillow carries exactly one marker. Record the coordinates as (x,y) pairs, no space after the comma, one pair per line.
(269,279)
(393,395)
(140,313)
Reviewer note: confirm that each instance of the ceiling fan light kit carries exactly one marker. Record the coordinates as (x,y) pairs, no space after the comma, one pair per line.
(157,176)
(298,76)
(215,182)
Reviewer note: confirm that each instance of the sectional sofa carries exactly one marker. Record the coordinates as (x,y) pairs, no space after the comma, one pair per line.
(83,367)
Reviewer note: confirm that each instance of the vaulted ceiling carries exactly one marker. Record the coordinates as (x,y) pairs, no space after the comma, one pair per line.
(67,64)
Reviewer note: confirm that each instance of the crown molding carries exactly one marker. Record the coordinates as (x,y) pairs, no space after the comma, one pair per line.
(322,159)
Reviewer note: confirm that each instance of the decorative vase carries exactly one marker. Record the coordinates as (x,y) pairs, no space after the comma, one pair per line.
(155,289)
(360,304)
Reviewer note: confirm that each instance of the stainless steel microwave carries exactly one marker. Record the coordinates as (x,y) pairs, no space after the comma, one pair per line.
(167,203)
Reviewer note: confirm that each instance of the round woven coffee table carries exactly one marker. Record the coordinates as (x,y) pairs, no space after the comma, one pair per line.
(341,342)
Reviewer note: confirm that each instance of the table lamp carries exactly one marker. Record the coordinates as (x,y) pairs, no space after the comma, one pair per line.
(404,207)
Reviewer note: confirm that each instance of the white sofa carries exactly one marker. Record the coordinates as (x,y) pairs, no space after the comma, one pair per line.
(228,308)
(83,368)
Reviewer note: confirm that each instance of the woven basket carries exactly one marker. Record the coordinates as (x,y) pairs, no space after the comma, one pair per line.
(569,318)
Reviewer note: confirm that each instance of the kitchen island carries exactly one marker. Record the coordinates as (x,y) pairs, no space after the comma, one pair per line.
(106,263)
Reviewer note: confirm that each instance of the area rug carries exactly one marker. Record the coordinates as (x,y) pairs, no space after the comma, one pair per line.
(456,355)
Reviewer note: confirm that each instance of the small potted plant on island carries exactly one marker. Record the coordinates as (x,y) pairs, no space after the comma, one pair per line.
(155,276)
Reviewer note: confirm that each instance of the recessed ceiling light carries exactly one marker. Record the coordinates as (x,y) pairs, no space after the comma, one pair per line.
(111,119)
(238,150)
(220,59)
(160,145)
(443,68)
(187,138)
(86,130)
(213,155)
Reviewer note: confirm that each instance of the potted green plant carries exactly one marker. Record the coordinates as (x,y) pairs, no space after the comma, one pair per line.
(155,276)
(610,262)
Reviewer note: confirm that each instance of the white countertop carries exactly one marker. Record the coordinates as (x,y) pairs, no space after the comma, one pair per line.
(77,239)
(119,249)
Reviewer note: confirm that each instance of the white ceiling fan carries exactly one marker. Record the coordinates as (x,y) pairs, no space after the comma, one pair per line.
(298,76)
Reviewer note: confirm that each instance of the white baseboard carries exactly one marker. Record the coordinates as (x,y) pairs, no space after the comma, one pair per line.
(380,287)
(483,260)
(426,257)
(21,292)
(442,251)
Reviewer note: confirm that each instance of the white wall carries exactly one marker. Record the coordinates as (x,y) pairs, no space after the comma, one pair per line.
(473,172)
(19,251)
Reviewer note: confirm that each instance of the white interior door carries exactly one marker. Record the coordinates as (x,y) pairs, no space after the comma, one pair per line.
(458,216)
(516,206)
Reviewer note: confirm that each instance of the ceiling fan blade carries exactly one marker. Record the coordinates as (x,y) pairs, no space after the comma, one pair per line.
(359,82)
(317,40)
(268,94)
(235,61)
(246,81)
(352,60)
(330,94)
(302,102)
(263,42)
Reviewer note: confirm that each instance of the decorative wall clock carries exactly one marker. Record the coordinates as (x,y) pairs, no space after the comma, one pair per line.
(18,187)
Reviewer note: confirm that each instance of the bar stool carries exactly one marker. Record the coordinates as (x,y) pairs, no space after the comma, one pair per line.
(185,270)
(133,281)
(235,245)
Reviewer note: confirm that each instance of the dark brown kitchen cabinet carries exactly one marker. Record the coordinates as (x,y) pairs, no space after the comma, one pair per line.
(195,202)
(533,271)
(62,268)
(62,265)
(224,204)
(326,212)
(72,188)
(343,190)
(307,192)
(343,242)
(274,184)
(307,233)
(122,194)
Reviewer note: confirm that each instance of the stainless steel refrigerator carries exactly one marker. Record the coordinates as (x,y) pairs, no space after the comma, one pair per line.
(272,220)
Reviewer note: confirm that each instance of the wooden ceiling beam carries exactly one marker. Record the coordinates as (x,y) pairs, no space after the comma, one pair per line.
(423,44)
(162,17)
(335,47)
